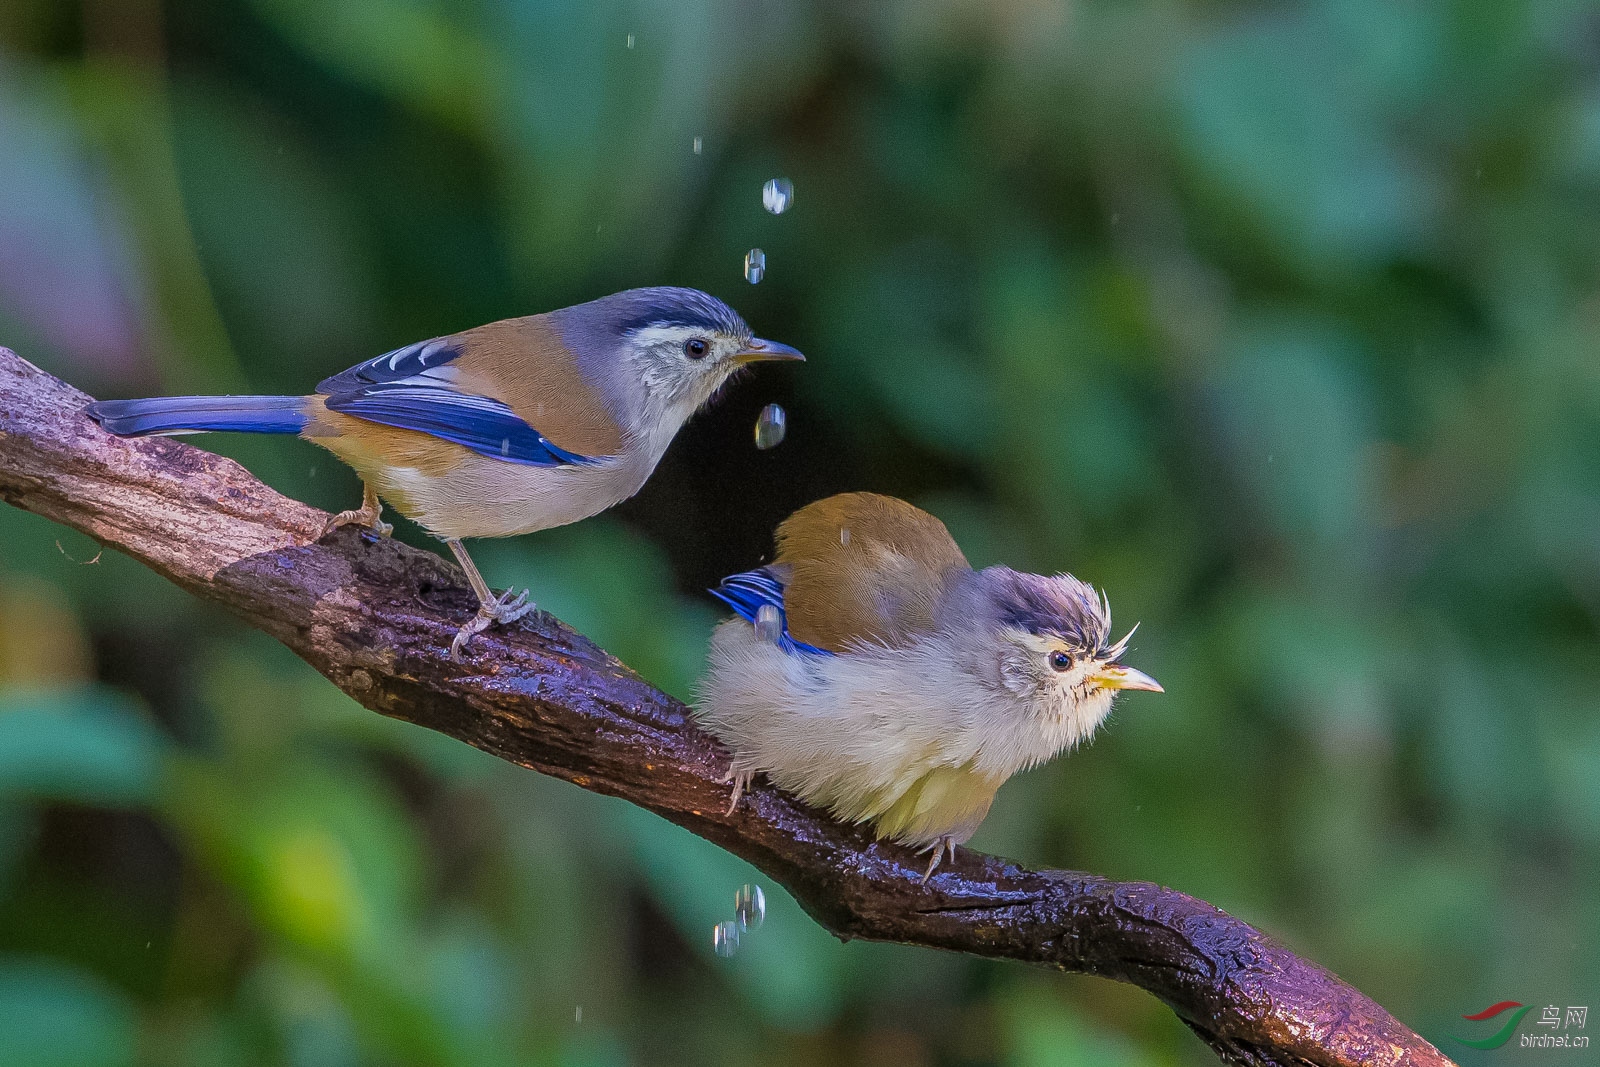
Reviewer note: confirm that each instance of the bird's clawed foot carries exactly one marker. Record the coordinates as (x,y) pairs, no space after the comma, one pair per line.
(939,847)
(365,516)
(369,521)
(507,608)
(741,779)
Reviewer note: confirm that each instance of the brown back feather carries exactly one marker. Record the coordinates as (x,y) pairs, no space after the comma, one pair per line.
(524,364)
(863,569)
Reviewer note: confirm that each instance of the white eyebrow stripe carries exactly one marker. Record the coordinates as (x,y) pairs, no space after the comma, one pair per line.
(661,334)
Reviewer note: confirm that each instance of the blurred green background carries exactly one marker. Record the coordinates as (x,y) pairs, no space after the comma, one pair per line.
(1279,321)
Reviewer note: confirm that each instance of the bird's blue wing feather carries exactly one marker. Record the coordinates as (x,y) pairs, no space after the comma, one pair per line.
(406,362)
(748,592)
(480,423)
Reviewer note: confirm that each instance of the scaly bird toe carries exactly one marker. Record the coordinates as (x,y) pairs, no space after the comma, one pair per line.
(367,515)
(476,625)
(939,848)
(741,780)
(358,517)
(512,606)
(505,609)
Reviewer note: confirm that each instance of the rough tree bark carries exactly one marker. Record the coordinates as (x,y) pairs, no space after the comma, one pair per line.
(377,620)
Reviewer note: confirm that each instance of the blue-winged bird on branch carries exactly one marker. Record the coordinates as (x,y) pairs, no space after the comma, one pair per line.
(873,672)
(504,429)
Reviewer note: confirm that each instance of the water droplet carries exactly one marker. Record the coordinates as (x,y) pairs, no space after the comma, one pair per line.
(755,265)
(769,623)
(505,446)
(771,426)
(697,146)
(777,196)
(577,1014)
(630,40)
(725,939)
(844,535)
(750,907)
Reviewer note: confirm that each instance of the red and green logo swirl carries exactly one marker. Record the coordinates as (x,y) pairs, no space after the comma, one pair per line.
(1500,1036)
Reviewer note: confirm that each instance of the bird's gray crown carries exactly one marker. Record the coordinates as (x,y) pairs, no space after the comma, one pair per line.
(1059,606)
(637,309)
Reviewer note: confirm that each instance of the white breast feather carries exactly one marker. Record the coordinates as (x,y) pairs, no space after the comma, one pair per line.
(853,732)
(485,497)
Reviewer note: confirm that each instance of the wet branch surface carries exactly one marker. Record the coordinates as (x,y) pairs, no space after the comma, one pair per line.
(377,620)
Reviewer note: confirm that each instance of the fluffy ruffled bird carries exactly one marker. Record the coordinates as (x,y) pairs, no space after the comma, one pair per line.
(517,426)
(871,671)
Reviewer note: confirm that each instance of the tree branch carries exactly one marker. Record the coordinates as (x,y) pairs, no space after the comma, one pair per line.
(377,620)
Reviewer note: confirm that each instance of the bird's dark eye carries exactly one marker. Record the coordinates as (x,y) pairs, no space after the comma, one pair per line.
(1060,661)
(696,347)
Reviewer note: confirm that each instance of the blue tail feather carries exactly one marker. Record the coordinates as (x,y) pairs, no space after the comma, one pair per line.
(194,414)
(749,592)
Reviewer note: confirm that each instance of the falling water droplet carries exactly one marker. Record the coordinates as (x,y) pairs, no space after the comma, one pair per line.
(577,1014)
(725,939)
(771,426)
(769,623)
(630,40)
(697,146)
(755,265)
(750,907)
(777,195)
(505,446)
(844,535)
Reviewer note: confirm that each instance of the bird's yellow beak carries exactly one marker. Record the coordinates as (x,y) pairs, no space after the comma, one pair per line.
(759,351)
(1116,676)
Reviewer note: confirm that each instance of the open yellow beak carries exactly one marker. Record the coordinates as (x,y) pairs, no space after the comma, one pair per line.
(759,351)
(1116,676)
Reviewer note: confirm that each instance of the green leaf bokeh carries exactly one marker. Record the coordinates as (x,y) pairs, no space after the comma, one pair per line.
(1280,323)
